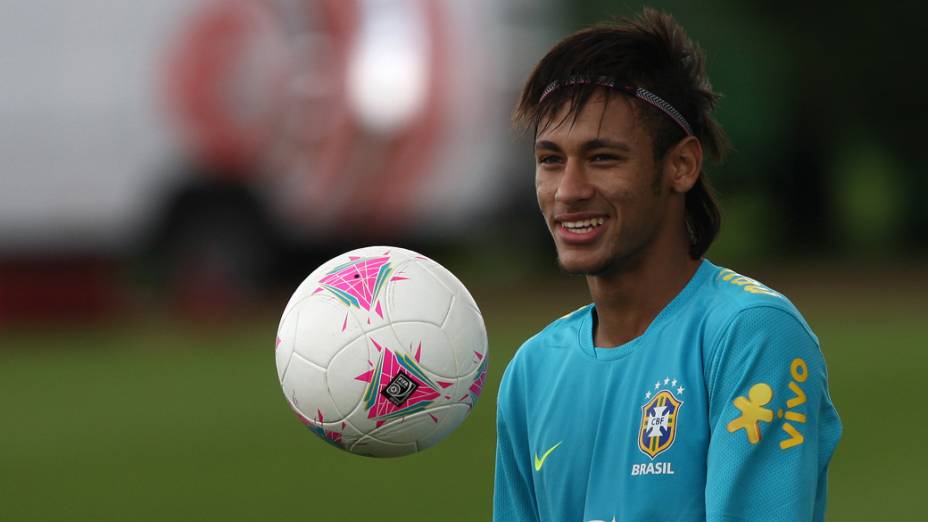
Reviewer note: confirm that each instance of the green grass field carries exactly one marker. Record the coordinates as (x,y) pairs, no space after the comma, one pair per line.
(156,420)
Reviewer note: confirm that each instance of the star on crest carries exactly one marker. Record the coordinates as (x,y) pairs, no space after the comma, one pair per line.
(671,384)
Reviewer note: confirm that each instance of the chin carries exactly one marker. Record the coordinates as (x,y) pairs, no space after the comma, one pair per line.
(587,265)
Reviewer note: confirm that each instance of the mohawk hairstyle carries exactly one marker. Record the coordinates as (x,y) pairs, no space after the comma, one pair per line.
(651,51)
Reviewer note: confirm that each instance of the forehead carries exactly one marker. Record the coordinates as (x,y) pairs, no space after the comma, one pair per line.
(604,115)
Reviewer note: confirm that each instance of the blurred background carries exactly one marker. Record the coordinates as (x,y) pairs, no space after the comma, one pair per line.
(173,169)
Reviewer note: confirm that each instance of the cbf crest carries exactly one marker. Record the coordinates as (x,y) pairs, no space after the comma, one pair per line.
(659,417)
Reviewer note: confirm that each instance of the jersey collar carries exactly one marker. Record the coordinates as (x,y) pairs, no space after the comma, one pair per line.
(706,268)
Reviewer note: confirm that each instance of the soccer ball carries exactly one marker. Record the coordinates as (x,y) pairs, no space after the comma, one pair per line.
(381,352)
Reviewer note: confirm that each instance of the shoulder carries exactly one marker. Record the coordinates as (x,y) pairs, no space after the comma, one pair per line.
(732,300)
(752,327)
(561,334)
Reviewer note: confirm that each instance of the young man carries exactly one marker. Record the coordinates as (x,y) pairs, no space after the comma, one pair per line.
(685,391)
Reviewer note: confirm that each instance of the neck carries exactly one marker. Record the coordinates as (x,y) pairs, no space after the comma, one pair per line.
(629,297)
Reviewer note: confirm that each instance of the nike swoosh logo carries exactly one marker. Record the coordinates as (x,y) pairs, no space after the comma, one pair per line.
(539,462)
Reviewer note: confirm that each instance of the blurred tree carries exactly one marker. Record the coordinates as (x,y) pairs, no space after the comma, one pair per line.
(798,79)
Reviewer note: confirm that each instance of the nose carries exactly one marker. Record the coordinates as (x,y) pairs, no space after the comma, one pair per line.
(574,184)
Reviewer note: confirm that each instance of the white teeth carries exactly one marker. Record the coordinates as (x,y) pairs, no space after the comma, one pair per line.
(584,226)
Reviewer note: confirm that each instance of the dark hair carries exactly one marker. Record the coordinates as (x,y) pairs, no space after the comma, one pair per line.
(651,51)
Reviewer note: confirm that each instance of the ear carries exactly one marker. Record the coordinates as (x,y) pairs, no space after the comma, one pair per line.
(683,163)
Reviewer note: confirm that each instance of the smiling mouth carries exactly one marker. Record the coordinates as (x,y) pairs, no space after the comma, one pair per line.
(582,226)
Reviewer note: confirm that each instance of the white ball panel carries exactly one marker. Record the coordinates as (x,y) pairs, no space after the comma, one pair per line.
(459,391)
(436,357)
(450,417)
(450,281)
(467,334)
(418,297)
(286,338)
(305,386)
(385,336)
(350,434)
(358,418)
(375,448)
(468,379)
(347,434)
(406,429)
(344,387)
(325,326)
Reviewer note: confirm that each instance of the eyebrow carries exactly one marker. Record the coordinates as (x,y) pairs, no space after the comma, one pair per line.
(598,143)
(546,145)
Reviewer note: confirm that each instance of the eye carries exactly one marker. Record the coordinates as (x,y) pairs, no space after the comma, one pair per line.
(548,159)
(603,157)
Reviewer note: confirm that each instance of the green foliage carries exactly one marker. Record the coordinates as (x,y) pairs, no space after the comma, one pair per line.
(794,79)
(746,232)
(869,190)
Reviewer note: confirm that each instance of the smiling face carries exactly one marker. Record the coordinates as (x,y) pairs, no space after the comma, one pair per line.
(599,187)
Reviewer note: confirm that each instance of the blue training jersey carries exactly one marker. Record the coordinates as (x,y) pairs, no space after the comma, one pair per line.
(719,411)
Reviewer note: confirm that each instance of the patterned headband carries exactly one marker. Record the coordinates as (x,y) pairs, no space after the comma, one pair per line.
(638,92)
